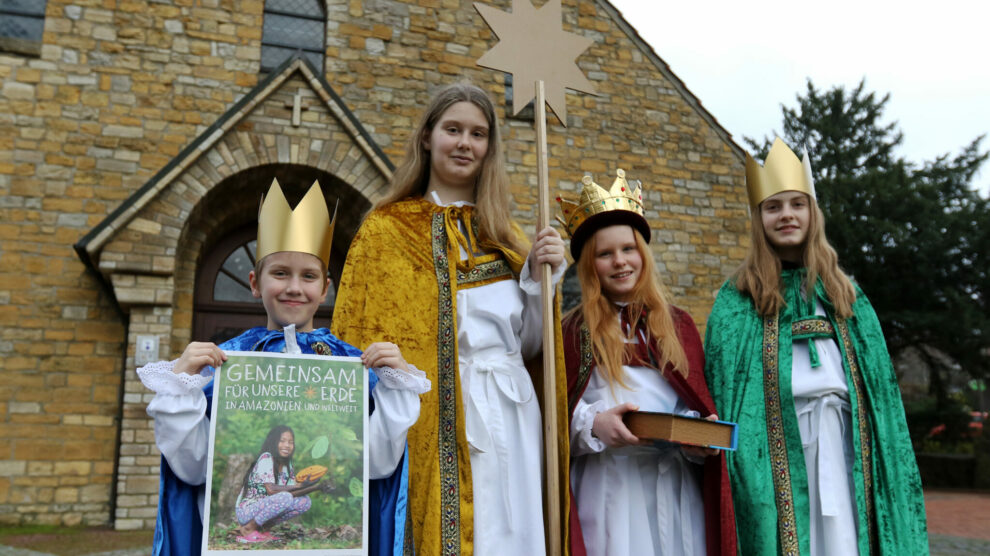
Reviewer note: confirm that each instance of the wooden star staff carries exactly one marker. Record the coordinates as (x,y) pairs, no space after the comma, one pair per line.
(534,48)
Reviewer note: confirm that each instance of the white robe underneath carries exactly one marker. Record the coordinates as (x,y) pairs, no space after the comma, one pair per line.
(635,500)
(499,326)
(821,400)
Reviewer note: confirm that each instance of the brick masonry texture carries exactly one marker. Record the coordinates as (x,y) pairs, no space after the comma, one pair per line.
(123,87)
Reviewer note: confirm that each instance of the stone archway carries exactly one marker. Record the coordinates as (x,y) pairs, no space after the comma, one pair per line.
(228,220)
(146,252)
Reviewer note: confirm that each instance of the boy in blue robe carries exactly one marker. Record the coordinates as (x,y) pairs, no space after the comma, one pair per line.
(293,252)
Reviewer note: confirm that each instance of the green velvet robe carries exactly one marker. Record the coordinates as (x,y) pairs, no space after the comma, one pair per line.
(748,368)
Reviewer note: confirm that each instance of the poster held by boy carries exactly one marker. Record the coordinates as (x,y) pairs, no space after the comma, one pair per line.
(286,502)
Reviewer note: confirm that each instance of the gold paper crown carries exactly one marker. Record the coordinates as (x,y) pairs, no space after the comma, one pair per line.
(595,200)
(307,229)
(781,171)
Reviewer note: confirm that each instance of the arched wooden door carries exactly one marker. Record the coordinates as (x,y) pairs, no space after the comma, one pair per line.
(223,304)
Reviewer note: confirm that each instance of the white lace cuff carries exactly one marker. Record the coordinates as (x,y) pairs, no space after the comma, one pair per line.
(415,380)
(584,419)
(161,378)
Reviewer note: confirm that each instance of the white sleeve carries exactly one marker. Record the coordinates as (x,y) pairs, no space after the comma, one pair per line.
(396,409)
(582,441)
(532,317)
(182,430)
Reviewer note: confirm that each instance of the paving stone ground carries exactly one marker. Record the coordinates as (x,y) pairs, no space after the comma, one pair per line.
(958,522)
(944,545)
(958,525)
(958,514)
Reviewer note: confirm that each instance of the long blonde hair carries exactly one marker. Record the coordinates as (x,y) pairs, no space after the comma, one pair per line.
(759,274)
(491,189)
(600,315)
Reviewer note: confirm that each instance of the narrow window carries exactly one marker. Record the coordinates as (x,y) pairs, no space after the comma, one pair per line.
(22,23)
(293,26)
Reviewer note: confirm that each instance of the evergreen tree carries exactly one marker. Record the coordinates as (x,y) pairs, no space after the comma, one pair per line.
(916,238)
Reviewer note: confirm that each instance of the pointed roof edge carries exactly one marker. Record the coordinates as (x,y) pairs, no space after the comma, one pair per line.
(691,99)
(93,240)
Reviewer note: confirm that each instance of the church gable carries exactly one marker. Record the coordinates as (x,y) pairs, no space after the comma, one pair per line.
(291,118)
(139,139)
(674,82)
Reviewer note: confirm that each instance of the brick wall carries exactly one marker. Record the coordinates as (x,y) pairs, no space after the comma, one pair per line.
(122,87)
(386,57)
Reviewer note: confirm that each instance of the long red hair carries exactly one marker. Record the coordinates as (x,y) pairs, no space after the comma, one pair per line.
(601,315)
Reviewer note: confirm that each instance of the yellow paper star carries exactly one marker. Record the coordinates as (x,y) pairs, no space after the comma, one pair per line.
(534,46)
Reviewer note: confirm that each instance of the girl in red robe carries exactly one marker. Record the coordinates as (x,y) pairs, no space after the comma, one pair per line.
(628,348)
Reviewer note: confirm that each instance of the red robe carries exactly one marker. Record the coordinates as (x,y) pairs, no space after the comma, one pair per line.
(720,531)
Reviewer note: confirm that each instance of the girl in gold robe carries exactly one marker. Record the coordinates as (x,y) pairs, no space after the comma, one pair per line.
(441,256)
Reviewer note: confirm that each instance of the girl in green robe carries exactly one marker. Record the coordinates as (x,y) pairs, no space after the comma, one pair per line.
(796,357)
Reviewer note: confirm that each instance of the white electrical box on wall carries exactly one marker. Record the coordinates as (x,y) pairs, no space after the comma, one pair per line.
(147,350)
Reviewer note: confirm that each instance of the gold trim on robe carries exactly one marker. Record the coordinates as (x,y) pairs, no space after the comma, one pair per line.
(447,383)
(779,465)
(488,269)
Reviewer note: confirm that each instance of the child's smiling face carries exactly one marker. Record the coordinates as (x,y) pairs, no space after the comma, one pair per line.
(291,286)
(618,262)
(286,445)
(786,217)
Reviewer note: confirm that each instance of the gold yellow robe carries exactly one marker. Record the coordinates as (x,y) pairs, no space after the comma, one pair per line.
(400,285)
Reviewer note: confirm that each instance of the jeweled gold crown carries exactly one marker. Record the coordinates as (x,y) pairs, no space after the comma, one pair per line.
(781,171)
(307,229)
(595,200)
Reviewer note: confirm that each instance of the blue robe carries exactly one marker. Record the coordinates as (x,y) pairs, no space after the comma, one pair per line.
(179,530)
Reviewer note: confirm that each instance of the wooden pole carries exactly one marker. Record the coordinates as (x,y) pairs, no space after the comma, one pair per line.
(552,482)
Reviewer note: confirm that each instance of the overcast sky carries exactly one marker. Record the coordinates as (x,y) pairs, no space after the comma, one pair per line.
(743,59)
